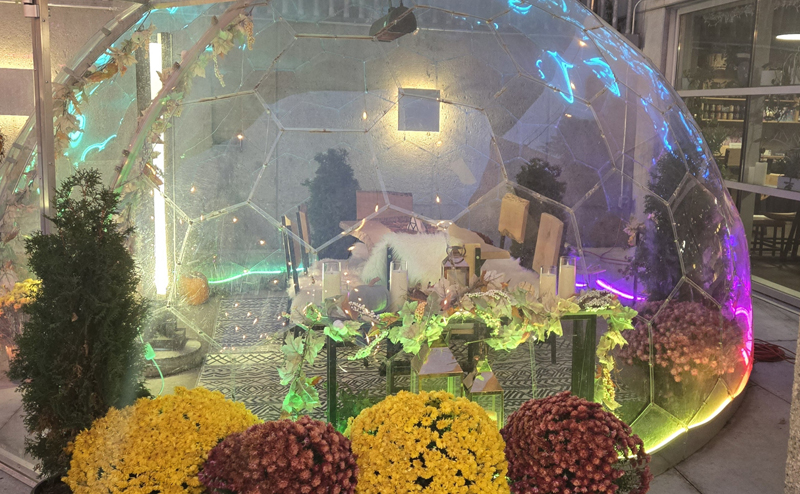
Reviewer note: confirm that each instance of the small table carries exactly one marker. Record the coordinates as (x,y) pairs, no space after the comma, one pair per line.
(584,345)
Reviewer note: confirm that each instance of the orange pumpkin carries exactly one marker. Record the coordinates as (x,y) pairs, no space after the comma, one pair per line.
(194,288)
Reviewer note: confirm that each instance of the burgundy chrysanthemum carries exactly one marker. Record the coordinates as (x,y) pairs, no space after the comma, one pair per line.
(564,444)
(282,457)
(686,340)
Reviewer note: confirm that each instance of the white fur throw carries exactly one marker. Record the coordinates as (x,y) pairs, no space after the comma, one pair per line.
(423,253)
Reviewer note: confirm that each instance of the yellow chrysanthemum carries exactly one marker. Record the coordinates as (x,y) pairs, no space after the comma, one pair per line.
(430,443)
(154,445)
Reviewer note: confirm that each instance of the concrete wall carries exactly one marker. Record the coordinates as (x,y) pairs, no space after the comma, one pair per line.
(71,27)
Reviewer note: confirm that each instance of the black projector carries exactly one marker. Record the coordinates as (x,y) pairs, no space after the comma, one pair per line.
(398,22)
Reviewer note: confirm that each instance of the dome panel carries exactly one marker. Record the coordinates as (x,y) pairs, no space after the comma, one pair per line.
(348,137)
(219,169)
(686,335)
(632,69)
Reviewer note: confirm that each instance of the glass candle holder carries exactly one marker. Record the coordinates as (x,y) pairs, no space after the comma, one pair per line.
(398,285)
(547,281)
(567,267)
(331,279)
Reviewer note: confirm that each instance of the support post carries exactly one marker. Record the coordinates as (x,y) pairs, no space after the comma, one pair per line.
(37,11)
(584,331)
(333,401)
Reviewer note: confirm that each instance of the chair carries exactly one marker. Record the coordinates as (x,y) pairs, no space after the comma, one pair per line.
(761,242)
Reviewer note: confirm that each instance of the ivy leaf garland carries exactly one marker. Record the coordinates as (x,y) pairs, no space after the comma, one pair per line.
(510,317)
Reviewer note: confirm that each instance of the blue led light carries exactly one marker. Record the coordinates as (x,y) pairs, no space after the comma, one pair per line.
(566,91)
(99,147)
(519,6)
(603,72)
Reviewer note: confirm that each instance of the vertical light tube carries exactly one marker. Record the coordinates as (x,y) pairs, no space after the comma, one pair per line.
(159,207)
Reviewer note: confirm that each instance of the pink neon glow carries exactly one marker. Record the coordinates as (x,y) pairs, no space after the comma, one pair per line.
(622,294)
(745,357)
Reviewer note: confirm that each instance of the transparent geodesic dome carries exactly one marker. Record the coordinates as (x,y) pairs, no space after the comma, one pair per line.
(486,98)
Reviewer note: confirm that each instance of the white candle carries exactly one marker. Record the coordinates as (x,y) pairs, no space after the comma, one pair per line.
(331,279)
(398,289)
(547,285)
(566,281)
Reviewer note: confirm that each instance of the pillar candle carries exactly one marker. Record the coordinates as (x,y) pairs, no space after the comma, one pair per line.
(566,281)
(398,289)
(547,284)
(331,284)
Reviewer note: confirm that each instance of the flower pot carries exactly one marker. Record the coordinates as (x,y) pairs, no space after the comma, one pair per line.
(52,485)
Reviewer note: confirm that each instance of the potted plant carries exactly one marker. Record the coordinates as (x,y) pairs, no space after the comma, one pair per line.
(428,442)
(564,443)
(332,200)
(155,446)
(282,457)
(79,353)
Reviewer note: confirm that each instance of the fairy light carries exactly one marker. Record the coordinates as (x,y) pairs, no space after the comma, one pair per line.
(193,189)
(262,241)
(438,200)
(364,116)
(235,219)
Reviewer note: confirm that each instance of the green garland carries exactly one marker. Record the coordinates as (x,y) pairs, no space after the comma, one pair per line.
(510,317)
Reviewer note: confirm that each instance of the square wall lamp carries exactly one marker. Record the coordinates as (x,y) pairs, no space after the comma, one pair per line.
(418,110)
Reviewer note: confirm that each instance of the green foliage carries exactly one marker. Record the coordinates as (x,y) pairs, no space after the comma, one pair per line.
(350,404)
(297,350)
(333,199)
(79,354)
(541,177)
(656,262)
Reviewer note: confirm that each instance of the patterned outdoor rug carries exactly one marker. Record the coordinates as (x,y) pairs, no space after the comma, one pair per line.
(250,333)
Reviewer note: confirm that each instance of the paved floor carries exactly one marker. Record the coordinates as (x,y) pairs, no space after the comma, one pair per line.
(746,457)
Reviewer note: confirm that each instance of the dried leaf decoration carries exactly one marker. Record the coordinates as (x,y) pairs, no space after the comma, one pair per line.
(67,98)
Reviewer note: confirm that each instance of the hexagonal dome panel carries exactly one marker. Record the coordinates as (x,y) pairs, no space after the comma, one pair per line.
(326,143)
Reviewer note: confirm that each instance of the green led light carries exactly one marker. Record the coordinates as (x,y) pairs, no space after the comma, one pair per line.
(248,273)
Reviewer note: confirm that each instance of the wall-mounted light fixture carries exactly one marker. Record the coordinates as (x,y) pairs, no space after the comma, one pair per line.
(418,110)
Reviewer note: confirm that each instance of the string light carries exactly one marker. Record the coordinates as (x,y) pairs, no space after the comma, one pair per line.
(262,242)
(439,142)
(239,136)
(235,219)
(364,116)
(438,200)
(193,189)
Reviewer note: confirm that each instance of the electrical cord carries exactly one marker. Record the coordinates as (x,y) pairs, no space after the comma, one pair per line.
(764,351)
(150,354)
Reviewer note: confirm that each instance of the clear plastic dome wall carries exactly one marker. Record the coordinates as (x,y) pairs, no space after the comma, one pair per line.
(484,98)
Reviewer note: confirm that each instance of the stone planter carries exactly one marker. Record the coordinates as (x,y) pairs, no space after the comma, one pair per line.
(52,485)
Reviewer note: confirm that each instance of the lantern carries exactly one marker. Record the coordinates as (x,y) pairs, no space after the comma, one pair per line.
(436,369)
(455,267)
(482,387)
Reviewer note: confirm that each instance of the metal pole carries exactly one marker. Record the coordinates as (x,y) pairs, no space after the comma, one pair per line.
(38,12)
